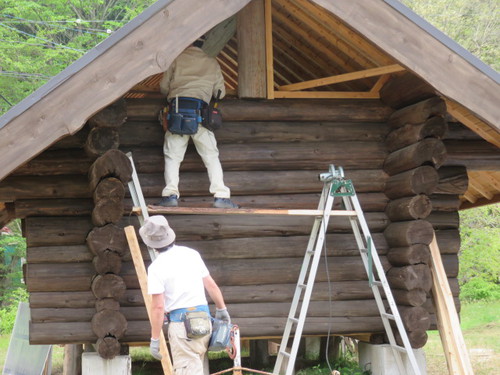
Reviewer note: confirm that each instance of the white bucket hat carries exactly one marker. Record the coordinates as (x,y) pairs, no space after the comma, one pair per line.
(156,232)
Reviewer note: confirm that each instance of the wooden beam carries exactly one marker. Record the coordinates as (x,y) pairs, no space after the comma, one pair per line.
(380,83)
(142,276)
(251,33)
(373,72)
(159,210)
(443,68)
(326,95)
(452,339)
(463,115)
(269,49)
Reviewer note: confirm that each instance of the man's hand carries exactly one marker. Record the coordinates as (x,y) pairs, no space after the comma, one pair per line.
(154,348)
(223,315)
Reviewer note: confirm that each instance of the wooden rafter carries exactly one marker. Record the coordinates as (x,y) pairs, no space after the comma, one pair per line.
(326,95)
(269,49)
(343,78)
(380,83)
(463,115)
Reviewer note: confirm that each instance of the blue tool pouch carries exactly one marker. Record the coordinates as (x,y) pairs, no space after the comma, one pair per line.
(184,116)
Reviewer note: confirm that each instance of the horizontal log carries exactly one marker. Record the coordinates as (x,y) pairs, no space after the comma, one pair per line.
(445,202)
(410,277)
(53,207)
(37,187)
(191,184)
(352,308)
(76,140)
(452,180)
(140,331)
(107,262)
(148,134)
(108,347)
(414,297)
(429,151)
(56,162)
(417,339)
(100,140)
(405,233)
(111,116)
(444,220)
(413,254)
(52,277)
(415,318)
(434,127)
(448,241)
(421,180)
(409,208)
(107,238)
(337,244)
(458,131)
(108,286)
(405,89)
(262,182)
(474,155)
(279,110)
(418,113)
(323,291)
(272,156)
(113,163)
(41,231)
(83,207)
(109,323)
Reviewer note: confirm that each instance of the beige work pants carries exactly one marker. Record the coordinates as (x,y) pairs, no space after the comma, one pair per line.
(189,356)
(174,149)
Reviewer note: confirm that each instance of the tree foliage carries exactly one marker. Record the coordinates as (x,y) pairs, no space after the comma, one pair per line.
(479,274)
(38,39)
(474,24)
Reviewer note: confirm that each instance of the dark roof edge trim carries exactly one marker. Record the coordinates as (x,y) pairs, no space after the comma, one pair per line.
(83,61)
(445,39)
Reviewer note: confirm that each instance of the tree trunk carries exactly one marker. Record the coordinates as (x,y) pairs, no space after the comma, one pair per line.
(452,180)
(414,297)
(108,347)
(107,262)
(112,116)
(414,318)
(107,238)
(406,89)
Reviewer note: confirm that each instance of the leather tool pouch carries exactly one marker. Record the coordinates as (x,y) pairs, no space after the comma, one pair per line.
(212,118)
(197,324)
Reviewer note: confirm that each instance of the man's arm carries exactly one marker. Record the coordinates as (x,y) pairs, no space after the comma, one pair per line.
(214,292)
(157,315)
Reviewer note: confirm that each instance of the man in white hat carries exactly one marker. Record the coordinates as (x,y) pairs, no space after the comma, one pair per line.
(177,280)
(190,83)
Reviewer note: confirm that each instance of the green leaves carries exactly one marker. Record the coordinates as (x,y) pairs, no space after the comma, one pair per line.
(38,39)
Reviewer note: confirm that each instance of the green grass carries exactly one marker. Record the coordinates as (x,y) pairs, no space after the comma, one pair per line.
(481,329)
(480,326)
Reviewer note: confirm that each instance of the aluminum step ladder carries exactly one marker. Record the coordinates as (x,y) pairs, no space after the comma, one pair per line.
(335,185)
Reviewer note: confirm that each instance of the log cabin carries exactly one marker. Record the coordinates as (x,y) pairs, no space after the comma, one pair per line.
(411,116)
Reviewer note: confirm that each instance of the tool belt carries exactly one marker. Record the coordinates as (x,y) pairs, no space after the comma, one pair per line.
(184,115)
(196,320)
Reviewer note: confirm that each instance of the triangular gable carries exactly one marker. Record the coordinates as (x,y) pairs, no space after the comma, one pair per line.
(144,47)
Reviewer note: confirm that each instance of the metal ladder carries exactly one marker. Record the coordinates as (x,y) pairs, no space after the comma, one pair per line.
(336,186)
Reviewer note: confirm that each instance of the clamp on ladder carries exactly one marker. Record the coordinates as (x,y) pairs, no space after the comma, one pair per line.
(335,185)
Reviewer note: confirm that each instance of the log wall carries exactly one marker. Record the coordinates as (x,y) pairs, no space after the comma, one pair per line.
(272,153)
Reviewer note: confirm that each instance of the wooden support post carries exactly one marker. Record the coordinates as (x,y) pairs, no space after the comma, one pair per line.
(269,49)
(452,339)
(135,251)
(251,31)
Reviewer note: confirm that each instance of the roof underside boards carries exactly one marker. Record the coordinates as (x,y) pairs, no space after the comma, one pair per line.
(310,42)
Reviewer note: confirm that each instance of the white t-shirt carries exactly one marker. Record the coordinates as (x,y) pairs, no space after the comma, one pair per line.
(178,273)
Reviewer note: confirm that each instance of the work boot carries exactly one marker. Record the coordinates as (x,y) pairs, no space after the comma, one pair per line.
(224,203)
(170,201)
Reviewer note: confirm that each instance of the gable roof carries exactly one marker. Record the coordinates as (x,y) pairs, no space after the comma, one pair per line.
(351,36)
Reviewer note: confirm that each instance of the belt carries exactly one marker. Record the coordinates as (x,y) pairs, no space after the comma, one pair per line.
(178,315)
(187,103)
